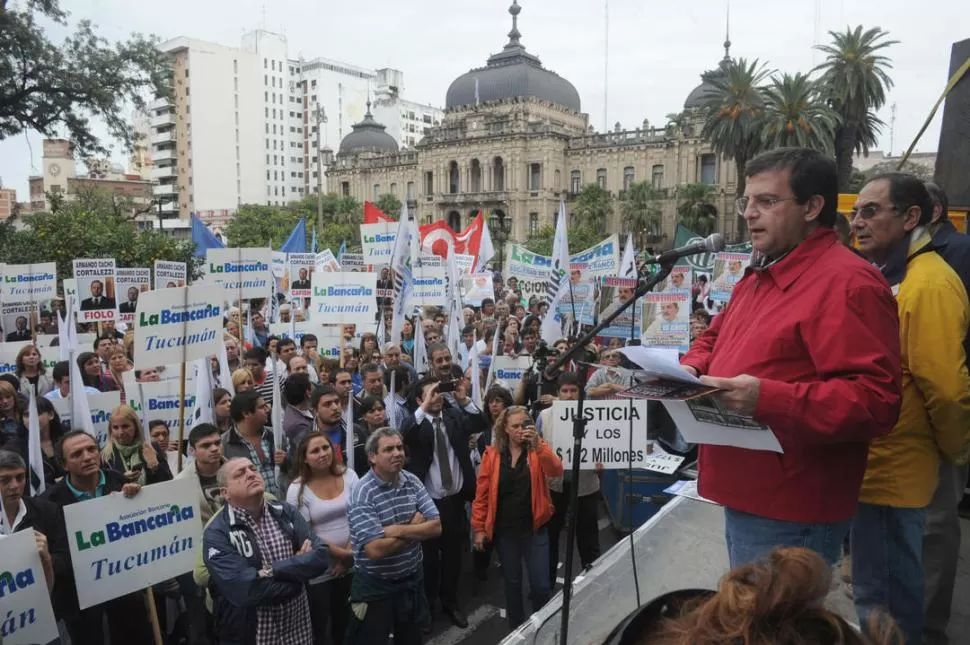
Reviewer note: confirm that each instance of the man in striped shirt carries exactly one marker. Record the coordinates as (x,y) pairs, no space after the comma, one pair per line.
(390,513)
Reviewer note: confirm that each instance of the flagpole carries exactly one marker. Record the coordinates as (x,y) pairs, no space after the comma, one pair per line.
(178,463)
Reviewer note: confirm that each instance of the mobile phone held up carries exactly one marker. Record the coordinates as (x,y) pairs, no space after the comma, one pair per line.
(446,386)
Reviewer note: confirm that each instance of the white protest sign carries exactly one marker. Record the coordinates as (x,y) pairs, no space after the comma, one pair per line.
(28,282)
(344,298)
(530,270)
(352,262)
(70,290)
(97,296)
(176,325)
(242,273)
(101,404)
(511,369)
(15,319)
(120,545)
(600,260)
(666,318)
(326,262)
(377,241)
(301,268)
(464,263)
(429,287)
(160,400)
(130,284)
(25,603)
(608,428)
(476,287)
(170,274)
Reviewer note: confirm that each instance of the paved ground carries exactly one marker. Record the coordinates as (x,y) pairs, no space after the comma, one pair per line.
(487,625)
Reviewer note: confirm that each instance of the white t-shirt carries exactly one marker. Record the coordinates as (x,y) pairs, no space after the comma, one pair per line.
(327,517)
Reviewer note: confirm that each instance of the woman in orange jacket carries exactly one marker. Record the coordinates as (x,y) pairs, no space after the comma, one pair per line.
(512,506)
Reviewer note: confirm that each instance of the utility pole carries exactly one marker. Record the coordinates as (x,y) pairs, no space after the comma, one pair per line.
(321,117)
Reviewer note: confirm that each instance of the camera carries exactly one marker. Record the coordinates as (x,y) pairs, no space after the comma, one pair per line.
(446,386)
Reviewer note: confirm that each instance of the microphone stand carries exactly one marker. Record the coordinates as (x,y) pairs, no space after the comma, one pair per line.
(551,373)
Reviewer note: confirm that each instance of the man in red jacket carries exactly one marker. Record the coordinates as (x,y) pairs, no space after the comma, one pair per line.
(809,346)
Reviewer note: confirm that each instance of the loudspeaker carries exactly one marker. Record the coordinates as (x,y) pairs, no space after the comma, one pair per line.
(953,154)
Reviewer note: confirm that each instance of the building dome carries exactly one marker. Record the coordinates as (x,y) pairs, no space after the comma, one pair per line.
(512,73)
(368,136)
(699,95)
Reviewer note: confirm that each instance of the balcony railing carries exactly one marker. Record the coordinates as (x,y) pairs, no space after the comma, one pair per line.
(472,198)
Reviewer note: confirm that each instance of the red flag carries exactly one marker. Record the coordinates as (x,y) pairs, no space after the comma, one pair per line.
(374,215)
(434,238)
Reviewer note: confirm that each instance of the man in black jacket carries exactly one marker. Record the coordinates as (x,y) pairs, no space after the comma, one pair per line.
(128,620)
(437,442)
(39,515)
(259,569)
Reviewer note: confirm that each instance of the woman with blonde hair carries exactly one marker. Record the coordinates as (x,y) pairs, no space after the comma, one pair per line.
(128,452)
(242,381)
(512,507)
(30,370)
(118,364)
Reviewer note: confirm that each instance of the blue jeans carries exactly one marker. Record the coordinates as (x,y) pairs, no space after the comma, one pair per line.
(887,566)
(751,538)
(534,549)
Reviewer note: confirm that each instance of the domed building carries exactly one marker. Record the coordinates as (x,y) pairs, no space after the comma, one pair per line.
(514,141)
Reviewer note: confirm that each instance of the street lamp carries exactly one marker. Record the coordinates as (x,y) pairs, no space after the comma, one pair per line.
(412,205)
(320,116)
(499,227)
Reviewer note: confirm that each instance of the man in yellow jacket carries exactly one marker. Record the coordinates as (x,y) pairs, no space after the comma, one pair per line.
(889,220)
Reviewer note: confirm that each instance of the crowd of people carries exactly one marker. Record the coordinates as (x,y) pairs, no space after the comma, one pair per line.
(360,522)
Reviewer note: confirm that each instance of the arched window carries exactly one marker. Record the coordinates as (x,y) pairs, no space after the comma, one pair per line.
(476,176)
(454,220)
(453,177)
(498,174)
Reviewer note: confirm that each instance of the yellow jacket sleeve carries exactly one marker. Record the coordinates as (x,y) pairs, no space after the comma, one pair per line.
(934,324)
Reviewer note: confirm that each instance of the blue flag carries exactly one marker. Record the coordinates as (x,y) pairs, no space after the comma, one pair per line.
(340,253)
(296,242)
(203,238)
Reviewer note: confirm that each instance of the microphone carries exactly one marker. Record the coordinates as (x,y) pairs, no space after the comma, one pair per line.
(711,244)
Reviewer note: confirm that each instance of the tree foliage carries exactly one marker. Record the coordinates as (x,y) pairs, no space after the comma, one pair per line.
(86,228)
(796,115)
(579,238)
(695,210)
(593,208)
(258,225)
(389,205)
(855,79)
(641,207)
(45,86)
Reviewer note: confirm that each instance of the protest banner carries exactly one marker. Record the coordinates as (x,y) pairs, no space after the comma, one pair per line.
(667,317)
(17,319)
(242,273)
(728,270)
(130,284)
(464,263)
(178,325)
(428,260)
(120,545)
(101,404)
(607,441)
(680,279)
(326,262)
(352,262)
(476,287)
(579,299)
(95,282)
(429,288)
(25,603)
(70,290)
(600,260)
(170,274)
(301,267)
(510,370)
(344,297)
(160,400)
(385,286)
(614,293)
(377,241)
(28,282)
(530,270)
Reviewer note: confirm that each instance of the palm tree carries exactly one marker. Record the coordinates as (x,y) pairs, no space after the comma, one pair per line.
(797,115)
(854,81)
(641,209)
(676,122)
(694,208)
(594,207)
(735,113)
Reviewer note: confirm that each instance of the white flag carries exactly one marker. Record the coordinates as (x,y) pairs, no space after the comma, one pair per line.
(225,374)
(420,351)
(628,265)
(491,365)
(80,408)
(203,393)
(35,454)
(401,268)
(476,374)
(486,250)
(66,330)
(392,401)
(351,436)
(551,329)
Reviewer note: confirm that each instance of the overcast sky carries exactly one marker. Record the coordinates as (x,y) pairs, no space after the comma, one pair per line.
(656,49)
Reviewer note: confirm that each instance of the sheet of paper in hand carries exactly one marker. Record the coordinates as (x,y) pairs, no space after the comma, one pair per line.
(705,420)
(661,377)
